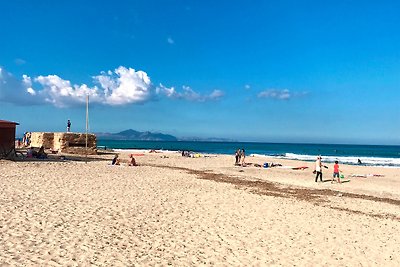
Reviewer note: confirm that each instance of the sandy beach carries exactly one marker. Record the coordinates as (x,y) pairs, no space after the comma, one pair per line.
(173,210)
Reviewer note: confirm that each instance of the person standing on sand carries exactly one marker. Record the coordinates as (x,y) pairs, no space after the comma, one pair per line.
(318,169)
(336,172)
(68,126)
(243,155)
(237,156)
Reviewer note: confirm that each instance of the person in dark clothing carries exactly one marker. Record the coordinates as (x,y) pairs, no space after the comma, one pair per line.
(68,126)
(41,154)
(237,157)
(115,160)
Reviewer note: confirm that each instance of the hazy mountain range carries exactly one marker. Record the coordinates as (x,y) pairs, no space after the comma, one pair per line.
(149,136)
(136,135)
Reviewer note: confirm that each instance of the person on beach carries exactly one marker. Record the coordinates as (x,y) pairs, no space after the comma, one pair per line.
(115,160)
(132,161)
(41,154)
(24,139)
(336,172)
(243,156)
(29,152)
(27,139)
(318,169)
(68,126)
(237,156)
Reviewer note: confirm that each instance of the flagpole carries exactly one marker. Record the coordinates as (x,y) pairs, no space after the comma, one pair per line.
(87,125)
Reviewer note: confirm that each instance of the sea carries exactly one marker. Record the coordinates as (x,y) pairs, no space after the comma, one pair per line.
(369,155)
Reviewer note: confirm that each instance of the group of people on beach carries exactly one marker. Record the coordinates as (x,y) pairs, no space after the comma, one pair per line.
(117,161)
(240,160)
(26,139)
(240,155)
(32,153)
(318,170)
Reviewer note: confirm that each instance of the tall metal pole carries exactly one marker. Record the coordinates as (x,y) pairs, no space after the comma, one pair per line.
(87,125)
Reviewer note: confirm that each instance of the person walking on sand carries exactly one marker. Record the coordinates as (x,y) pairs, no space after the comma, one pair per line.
(318,169)
(68,126)
(336,172)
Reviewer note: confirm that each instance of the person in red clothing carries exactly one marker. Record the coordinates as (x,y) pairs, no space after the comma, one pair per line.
(336,172)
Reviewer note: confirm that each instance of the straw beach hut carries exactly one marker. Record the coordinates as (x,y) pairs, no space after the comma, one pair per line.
(7,138)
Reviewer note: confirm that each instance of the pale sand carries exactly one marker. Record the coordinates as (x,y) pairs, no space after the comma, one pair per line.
(195,211)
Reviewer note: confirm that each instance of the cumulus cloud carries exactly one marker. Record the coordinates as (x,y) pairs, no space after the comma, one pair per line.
(124,86)
(121,86)
(284,94)
(61,93)
(189,94)
(247,86)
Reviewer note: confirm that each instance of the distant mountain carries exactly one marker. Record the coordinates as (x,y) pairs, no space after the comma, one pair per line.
(136,135)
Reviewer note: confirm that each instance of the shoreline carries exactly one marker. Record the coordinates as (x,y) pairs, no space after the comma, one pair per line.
(348,160)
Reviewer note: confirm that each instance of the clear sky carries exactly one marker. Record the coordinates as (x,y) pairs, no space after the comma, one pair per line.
(273,71)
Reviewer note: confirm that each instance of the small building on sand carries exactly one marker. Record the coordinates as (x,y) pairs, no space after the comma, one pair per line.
(71,143)
(7,138)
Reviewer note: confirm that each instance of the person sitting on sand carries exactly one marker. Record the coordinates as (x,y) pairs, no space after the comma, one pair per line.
(29,152)
(41,154)
(115,160)
(132,162)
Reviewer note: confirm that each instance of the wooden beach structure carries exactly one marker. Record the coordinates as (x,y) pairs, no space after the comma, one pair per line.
(7,138)
(71,143)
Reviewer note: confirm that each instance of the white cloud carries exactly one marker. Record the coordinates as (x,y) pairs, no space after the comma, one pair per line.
(247,86)
(283,94)
(189,94)
(216,95)
(125,86)
(119,87)
(61,93)
(12,90)
(170,40)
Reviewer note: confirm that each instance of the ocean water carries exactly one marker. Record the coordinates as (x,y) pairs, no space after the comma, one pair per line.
(372,155)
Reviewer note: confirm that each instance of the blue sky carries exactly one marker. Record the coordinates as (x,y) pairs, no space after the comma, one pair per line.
(293,71)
